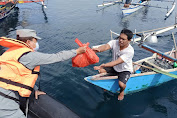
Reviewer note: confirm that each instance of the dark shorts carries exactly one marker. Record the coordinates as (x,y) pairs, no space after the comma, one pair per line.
(122,76)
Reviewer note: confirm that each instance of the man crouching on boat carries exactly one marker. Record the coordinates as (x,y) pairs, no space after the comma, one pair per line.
(127,3)
(121,64)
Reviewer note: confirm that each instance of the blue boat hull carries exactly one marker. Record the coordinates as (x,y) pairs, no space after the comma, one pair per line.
(134,84)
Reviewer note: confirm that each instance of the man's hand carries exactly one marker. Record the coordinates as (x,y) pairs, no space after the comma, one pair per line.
(99,67)
(39,93)
(81,50)
(96,67)
(95,50)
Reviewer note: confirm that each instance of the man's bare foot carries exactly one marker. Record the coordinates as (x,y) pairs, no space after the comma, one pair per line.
(121,96)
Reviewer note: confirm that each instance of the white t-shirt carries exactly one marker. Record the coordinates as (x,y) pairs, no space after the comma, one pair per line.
(126,55)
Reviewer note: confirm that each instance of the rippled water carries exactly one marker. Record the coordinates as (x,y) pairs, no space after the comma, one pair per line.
(62,22)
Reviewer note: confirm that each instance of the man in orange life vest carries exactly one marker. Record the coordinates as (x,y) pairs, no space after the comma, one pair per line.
(19,69)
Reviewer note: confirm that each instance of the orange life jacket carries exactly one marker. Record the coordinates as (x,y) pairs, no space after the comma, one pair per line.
(14,75)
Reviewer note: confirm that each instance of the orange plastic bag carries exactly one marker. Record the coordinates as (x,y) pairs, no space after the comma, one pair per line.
(84,59)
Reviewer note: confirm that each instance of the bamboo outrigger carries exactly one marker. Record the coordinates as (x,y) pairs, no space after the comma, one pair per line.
(109,3)
(171,10)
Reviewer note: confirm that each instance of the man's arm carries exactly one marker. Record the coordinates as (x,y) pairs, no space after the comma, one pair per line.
(101,48)
(33,59)
(112,63)
(109,64)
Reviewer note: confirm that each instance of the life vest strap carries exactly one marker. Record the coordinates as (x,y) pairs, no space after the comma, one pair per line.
(35,72)
(9,97)
(16,84)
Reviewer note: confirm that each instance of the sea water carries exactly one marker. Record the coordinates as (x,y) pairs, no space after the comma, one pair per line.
(62,22)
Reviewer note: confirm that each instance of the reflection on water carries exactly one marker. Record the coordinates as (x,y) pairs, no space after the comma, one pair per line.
(45,15)
(145,12)
(9,23)
(142,13)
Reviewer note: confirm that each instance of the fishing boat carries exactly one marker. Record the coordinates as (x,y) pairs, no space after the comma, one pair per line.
(143,76)
(6,7)
(133,7)
(148,72)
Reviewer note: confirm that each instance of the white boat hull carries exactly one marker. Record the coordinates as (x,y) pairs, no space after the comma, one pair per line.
(133,8)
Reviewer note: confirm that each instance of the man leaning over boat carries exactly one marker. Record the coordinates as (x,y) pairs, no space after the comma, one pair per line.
(19,69)
(122,55)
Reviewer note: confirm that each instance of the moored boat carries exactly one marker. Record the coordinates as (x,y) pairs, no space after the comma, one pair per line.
(134,7)
(6,7)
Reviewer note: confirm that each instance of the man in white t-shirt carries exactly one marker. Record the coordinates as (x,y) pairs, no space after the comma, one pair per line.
(121,64)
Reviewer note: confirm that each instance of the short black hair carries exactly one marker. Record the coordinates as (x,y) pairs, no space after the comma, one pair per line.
(127,32)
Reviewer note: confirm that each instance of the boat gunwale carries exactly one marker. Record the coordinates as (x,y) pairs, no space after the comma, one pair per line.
(135,6)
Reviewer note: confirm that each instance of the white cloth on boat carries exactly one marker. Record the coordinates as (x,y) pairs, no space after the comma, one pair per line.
(126,55)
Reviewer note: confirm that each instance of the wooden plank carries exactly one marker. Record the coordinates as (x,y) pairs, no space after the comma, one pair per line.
(102,76)
(105,78)
(109,3)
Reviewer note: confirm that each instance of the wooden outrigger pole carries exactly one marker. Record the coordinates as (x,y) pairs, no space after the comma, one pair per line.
(171,10)
(161,54)
(149,32)
(155,31)
(109,3)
